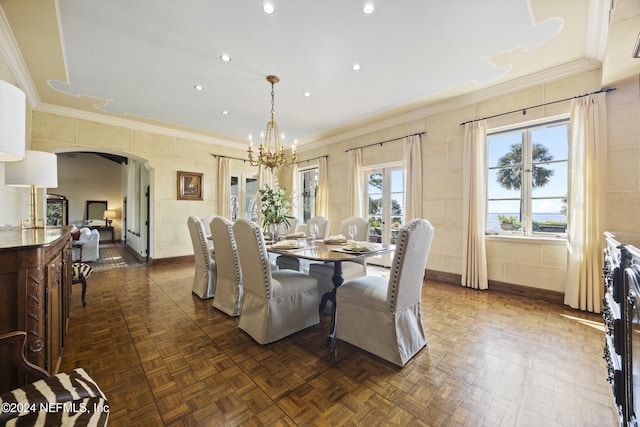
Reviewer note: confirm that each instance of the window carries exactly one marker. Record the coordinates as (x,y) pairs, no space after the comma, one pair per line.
(385,201)
(308,185)
(527,179)
(243,197)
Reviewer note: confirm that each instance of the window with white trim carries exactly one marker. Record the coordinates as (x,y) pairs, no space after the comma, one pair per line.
(307,187)
(527,179)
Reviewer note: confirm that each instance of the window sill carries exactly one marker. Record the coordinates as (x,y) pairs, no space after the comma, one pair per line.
(553,240)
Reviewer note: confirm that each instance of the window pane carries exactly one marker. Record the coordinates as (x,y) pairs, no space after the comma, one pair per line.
(554,139)
(550,180)
(252,190)
(308,187)
(499,179)
(234,198)
(502,208)
(549,215)
(505,150)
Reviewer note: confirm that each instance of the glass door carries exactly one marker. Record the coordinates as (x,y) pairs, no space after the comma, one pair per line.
(243,203)
(385,201)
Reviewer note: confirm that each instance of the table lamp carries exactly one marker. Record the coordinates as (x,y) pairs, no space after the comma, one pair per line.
(108,217)
(38,169)
(12,123)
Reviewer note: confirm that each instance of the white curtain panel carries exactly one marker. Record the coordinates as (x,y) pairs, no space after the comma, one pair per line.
(354,182)
(224,187)
(322,195)
(587,178)
(412,159)
(474,205)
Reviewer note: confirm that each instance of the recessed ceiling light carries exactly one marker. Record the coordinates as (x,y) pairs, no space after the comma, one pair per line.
(307,94)
(268,8)
(368,8)
(199,88)
(225,112)
(225,57)
(356,67)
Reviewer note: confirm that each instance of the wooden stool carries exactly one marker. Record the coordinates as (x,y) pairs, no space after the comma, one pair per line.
(80,273)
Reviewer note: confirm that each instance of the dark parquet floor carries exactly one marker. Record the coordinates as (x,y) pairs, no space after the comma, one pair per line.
(164,357)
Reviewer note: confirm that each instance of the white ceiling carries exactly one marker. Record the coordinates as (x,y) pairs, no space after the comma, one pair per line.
(141,59)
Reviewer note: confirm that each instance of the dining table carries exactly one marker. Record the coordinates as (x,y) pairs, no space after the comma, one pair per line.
(336,253)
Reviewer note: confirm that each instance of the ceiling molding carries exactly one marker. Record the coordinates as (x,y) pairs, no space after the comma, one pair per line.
(15,61)
(386,120)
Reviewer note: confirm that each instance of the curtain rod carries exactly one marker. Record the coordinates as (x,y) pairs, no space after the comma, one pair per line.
(314,158)
(384,142)
(524,110)
(228,157)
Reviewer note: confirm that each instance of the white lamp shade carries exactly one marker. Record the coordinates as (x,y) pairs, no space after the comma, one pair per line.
(38,168)
(109,214)
(12,123)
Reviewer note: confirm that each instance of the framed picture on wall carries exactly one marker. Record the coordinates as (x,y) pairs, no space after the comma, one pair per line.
(189,185)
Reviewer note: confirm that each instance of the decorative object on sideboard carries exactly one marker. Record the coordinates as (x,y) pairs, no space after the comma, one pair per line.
(38,169)
(13,128)
(271,152)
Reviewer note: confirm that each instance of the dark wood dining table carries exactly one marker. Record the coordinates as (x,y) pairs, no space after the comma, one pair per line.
(327,252)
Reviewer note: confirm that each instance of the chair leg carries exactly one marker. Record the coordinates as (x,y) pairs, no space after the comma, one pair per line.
(84,292)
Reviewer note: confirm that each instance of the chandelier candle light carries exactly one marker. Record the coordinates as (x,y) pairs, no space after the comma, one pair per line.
(271,153)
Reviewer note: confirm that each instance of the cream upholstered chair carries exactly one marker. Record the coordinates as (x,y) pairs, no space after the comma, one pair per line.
(384,316)
(206,221)
(323,272)
(204,281)
(275,304)
(291,263)
(229,275)
(86,247)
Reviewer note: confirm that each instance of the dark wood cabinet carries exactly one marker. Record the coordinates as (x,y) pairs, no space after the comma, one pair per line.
(35,290)
(621,313)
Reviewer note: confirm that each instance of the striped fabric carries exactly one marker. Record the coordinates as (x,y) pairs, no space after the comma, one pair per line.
(68,399)
(81,271)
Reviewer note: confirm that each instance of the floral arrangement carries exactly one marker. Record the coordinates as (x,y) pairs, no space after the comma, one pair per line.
(274,206)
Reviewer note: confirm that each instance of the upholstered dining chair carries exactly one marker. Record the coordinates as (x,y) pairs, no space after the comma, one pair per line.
(275,304)
(206,221)
(204,280)
(350,269)
(383,316)
(291,263)
(229,275)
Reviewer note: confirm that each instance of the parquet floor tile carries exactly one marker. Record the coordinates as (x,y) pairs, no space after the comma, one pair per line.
(165,357)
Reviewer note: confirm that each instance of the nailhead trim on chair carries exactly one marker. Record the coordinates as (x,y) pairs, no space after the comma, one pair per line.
(265,268)
(401,243)
(234,249)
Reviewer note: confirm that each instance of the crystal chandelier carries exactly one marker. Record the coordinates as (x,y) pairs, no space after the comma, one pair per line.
(271,152)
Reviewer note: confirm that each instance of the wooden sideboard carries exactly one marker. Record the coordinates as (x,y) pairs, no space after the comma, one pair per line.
(621,313)
(35,290)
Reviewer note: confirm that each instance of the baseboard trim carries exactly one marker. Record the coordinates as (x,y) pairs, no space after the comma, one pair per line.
(553,297)
(173,260)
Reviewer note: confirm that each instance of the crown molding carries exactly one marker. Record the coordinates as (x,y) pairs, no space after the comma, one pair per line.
(389,119)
